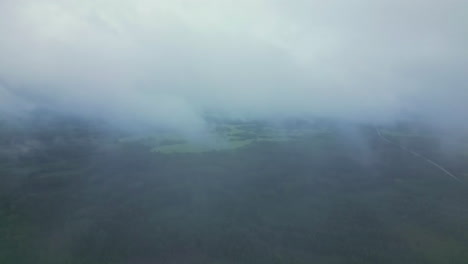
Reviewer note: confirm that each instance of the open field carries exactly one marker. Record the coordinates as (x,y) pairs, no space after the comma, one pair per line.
(226,136)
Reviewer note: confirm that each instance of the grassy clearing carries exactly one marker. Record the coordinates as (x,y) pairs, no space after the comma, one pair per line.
(232,137)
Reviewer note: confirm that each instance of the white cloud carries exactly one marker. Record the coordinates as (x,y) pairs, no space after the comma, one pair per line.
(167,61)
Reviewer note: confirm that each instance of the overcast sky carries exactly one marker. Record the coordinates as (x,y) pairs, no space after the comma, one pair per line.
(168,61)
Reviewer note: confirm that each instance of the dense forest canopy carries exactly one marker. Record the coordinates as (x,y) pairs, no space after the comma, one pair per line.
(75,191)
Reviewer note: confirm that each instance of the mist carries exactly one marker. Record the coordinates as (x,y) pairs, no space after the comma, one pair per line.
(167,63)
(233,131)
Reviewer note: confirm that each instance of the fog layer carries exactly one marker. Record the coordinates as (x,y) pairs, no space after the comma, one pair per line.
(168,62)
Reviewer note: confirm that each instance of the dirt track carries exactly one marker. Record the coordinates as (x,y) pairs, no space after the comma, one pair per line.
(435,164)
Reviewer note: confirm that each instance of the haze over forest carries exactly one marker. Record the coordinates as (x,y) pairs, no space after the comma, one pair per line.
(167,63)
(233,132)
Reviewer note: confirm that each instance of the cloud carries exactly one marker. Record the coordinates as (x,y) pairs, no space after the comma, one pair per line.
(166,62)
(11,104)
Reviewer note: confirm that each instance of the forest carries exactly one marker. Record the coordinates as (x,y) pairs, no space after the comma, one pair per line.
(304,191)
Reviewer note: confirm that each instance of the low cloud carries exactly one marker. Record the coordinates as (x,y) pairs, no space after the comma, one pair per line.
(167,62)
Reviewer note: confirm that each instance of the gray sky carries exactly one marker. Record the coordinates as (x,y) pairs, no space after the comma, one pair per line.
(167,61)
